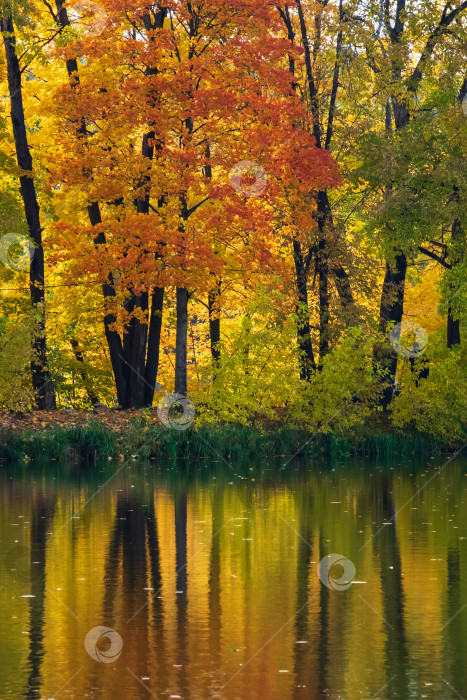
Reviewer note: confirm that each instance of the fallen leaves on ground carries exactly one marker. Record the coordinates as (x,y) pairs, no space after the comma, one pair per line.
(38,421)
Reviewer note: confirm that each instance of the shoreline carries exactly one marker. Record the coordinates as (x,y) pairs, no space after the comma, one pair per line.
(138,434)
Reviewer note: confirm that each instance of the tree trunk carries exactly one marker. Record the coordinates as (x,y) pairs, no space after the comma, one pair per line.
(457,238)
(41,380)
(453,330)
(323,206)
(307,359)
(322,267)
(214,296)
(71,63)
(391,310)
(154,341)
(181,341)
(119,368)
(146,342)
(134,350)
(215,324)
(114,342)
(392,298)
(142,348)
(342,282)
(182,294)
(83,373)
(135,360)
(312,90)
(392,295)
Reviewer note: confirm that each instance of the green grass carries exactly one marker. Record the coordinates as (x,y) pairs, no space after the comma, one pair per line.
(229,442)
(92,442)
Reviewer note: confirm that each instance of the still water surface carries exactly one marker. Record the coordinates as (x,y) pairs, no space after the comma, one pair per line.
(208,577)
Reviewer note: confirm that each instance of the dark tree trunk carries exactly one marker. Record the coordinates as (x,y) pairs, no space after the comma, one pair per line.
(392,297)
(154,342)
(458,246)
(392,304)
(41,380)
(245,352)
(306,357)
(453,330)
(331,267)
(322,267)
(304,338)
(146,341)
(305,348)
(182,293)
(134,350)
(83,373)
(214,297)
(392,294)
(181,341)
(135,360)
(114,342)
(391,311)
(312,90)
(215,324)
(141,345)
(453,324)
(71,63)
(323,206)
(324,215)
(342,282)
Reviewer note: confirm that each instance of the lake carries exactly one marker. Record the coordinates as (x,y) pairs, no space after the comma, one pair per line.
(339,580)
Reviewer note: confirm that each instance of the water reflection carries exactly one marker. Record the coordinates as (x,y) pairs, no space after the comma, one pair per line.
(210,577)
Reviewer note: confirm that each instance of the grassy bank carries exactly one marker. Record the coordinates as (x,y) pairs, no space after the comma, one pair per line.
(141,439)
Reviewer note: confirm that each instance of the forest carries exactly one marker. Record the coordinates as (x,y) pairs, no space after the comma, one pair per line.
(257,208)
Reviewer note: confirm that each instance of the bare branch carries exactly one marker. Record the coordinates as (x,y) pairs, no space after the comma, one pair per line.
(432,255)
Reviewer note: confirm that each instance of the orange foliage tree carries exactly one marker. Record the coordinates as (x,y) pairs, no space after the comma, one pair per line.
(181,145)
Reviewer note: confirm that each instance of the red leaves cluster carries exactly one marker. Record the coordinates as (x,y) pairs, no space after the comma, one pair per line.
(210,88)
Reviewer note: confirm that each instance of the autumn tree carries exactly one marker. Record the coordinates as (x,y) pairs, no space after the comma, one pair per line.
(41,380)
(160,216)
(402,64)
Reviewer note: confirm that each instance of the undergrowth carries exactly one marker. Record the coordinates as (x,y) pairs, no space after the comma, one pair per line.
(229,442)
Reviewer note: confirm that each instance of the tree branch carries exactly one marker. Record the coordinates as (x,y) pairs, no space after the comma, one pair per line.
(190,211)
(445,21)
(335,84)
(432,255)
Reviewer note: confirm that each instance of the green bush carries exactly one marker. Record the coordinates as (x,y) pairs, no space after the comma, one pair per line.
(435,406)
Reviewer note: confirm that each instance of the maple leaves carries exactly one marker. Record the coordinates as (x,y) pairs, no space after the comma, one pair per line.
(157,79)
(153,113)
